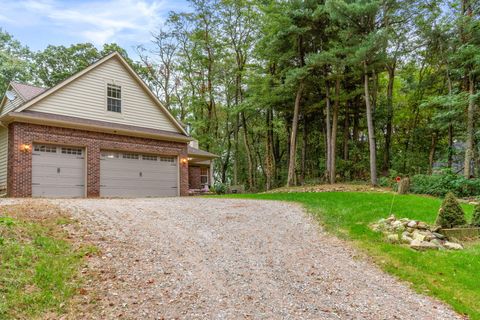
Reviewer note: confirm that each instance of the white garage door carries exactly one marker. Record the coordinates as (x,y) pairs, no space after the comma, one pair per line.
(137,175)
(58,171)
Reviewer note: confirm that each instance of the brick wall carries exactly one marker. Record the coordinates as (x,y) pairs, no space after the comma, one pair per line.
(194,177)
(20,162)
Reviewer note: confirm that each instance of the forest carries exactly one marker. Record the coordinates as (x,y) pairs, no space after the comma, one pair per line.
(297,92)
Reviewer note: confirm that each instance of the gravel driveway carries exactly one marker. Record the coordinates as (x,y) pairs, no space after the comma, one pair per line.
(200,258)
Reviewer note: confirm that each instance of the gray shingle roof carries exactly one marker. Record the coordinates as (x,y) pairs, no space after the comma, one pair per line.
(200,153)
(26,91)
(98,124)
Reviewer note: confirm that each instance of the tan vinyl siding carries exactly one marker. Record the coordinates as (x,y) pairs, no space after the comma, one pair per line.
(3,157)
(86,98)
(10,105)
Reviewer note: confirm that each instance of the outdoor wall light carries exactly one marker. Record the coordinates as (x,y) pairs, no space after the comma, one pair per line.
(184,160)
(25,147)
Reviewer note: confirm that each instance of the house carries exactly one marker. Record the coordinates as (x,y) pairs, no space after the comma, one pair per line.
(99,133)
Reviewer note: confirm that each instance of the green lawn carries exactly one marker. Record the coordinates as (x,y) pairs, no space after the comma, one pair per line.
(452,276)
(39,264)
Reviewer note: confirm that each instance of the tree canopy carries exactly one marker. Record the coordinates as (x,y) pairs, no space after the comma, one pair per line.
(292,92)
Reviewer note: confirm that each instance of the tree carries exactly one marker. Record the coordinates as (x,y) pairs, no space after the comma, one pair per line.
(450,214)
(15,62)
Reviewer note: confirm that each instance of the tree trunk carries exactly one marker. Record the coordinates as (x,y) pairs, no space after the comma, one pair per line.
(269,157)
(450,145)
(251,182)
(329,131)
(346,134)
(371,130)
(304,151)
(389,127)
(431,155)
(333,143)
(468,172)
(450,124)
(235,138)
(293,136)
(226,163)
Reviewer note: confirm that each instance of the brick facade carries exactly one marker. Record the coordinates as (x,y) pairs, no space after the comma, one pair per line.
(194,177)
(20,162)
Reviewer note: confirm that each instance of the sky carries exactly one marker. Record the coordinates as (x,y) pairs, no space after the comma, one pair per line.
(64,22)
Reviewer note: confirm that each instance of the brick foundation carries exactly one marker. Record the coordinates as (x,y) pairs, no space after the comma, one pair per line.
(19,181)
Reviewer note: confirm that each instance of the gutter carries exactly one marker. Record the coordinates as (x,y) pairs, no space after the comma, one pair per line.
(26,118)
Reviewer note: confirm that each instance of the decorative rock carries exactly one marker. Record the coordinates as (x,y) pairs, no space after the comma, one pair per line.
(422,225)
(406,238)
(397,224)
(391,218)
(417,234)
(429,236)
(422,245)
(453,245)
(438,235)
(412,224)
(393,238)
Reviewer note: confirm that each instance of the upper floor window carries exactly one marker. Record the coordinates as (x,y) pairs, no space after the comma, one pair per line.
(114,98)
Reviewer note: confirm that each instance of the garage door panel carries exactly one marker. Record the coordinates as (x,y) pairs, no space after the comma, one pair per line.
(57,191)
(60,181)
(172,182)
(58,171)
(122,174)
(138,192)
(121,165)
(130,175)
(53,171)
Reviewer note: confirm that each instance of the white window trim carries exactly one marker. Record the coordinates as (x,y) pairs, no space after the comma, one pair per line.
(105,107)
(205,175)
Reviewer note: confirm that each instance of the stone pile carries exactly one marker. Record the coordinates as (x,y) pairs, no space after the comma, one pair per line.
(417,234)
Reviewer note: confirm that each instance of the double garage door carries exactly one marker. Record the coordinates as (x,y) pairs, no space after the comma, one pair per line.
(59,171)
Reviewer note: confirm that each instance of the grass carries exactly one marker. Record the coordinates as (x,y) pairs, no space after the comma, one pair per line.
(39,264)
(452,276)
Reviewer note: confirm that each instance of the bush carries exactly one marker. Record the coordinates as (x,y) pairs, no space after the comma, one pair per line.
(440,184)
(220,188)
(476,216)
(385,182)
(390,181)
(450,214)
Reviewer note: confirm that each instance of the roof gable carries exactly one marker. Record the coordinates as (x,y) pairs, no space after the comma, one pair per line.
(83,95)
(7,105)
(27,92)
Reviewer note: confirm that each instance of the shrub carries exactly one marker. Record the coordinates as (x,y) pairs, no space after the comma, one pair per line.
(385,182)
(440,184)
(476,216)
(389,181)
(220,188)
(450,214)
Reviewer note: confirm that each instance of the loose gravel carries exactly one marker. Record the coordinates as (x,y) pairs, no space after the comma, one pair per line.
(204,258)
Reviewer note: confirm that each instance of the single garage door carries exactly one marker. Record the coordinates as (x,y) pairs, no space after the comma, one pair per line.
(137,175)
(58,171)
